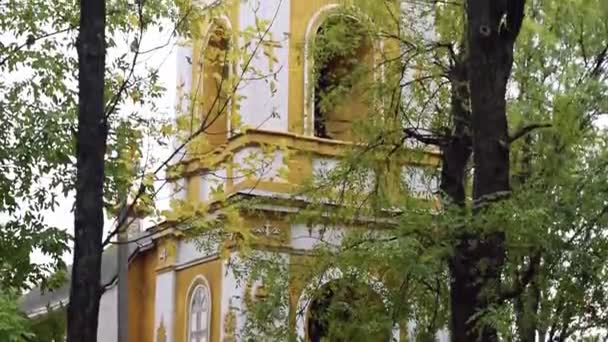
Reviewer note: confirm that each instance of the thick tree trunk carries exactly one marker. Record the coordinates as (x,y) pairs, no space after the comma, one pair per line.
(455,158)
(85,288)
(457,152)
(479,258)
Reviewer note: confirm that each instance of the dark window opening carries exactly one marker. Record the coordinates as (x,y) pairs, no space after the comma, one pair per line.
(342,54)
(215,99)
(350,312)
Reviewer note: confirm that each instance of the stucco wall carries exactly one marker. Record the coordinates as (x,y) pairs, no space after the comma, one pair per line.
(108,311)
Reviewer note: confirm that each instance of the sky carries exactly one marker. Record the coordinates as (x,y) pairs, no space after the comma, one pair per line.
(165,60)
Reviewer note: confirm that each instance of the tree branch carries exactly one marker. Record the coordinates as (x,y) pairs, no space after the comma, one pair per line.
(515,16)
(527,129)
(600,59)
(429,139)
(121,222)
(524,279)
(31,40)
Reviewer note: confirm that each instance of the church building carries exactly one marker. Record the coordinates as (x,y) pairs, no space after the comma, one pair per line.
(181,291)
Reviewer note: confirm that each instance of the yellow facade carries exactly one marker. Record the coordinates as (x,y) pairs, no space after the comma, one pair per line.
(186,278)
(142,276)
(162,259)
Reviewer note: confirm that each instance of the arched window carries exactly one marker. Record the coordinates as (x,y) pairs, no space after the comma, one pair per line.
(199,314)
(346,310)
(216,85)
(342,63)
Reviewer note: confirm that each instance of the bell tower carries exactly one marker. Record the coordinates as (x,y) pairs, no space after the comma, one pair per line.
(248,92)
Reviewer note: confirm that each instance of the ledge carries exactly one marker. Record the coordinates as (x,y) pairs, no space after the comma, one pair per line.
(297,142)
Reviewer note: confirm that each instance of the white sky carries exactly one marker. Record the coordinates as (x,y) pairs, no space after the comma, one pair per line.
(164,59)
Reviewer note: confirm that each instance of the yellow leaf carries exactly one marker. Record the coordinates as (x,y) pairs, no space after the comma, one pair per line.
(235,120)
(167,129)
(135,95)
(148,180)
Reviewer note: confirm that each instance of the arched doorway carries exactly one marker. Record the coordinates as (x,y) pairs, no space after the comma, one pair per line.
(346,310)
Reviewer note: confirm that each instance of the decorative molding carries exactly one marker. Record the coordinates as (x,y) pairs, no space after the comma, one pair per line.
(161,332)
(292,141)
(167,254)
(162,254)
(267,230)
(198,261)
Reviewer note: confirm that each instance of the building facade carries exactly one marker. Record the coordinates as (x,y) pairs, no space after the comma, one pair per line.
(180,291)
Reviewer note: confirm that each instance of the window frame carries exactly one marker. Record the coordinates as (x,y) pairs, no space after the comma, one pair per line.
(199,284)
(315,22)
(223,24)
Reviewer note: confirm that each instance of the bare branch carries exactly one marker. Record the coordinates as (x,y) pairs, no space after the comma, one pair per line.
(123,221)
(526,130)
(600,59)
(425,138)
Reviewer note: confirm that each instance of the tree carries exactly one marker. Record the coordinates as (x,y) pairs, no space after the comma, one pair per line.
(39,113)
(36,135)
(521,212)
(94,122)
(38,110)
(491,31)
(51,327)
(91,140)
(13,325)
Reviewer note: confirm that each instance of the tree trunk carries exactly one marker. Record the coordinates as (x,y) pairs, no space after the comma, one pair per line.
(492,27)
(526,310)
(85,291)
(456,153)
(527,304)
(455,158)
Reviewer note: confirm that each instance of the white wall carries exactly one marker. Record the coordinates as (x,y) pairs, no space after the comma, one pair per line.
(305,238)
(210,181)
(418,24)
(420,182)
(107,331)
(418,17)
(184,75)
(190,251)
(232,294)
(260,103)
(251,162)
(322,166)
(233,289)
(165,303)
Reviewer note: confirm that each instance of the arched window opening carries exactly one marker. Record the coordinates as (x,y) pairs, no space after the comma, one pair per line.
(343,57)
(216,88)
(199,314)
(347,311)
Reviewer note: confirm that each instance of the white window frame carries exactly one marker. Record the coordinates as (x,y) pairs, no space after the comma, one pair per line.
(199,285)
